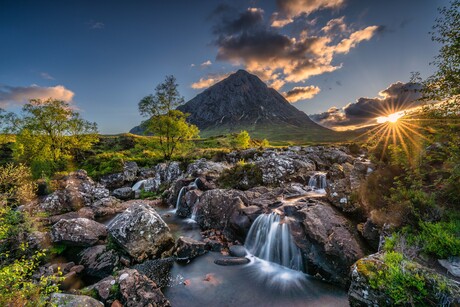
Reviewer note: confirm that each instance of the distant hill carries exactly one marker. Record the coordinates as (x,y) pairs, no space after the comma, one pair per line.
(244,102)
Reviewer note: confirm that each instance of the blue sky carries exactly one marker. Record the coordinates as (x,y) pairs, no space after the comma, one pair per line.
(107,55)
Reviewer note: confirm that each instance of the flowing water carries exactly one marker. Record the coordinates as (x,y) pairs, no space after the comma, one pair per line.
(258,283)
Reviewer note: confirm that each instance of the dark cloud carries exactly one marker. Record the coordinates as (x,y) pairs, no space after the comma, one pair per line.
(397,97)
(247,20)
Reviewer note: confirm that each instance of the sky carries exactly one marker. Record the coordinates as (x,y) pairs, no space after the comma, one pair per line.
(333,59)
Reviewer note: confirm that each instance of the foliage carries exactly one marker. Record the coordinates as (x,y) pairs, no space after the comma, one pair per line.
(404,281)
(242,176)
(173,132)
(16,185)
(50,134)
(17,287)
(241,140)
(165,99)
(440,239)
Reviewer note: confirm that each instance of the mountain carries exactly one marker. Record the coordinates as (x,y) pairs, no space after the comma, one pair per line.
(244,102)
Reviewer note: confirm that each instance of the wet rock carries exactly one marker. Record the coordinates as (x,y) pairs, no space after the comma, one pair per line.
(124,193)
(329,242)
(188,202)
(452,265)
(69,300)
(78,232)
(216,208)
(98,261)
(138,290)
(188,248)
(227,261)
(141,232)
(237,250)
(157,270)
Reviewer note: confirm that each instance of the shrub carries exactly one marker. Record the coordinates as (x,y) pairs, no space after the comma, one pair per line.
(242,176)
(440,239)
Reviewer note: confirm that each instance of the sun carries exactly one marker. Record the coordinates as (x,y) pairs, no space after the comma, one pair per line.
(392,118)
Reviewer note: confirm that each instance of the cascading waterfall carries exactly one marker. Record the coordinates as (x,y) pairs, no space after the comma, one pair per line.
(269,239)
(318,181)
(179,196)
(138,185)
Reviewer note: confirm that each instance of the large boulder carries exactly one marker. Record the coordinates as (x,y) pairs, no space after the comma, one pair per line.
(75,191)
(124,193)
(329,242)
(78,232)
(118,180)
(220,209)
(204,168)
(70,300)
(98,261)
(141,232)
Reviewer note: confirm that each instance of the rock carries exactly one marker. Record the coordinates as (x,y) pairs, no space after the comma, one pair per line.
(113,181)
(188,248)
(77,269)
(237,251)
(124,193)
(137,290)
(329,242)
(75,191)
(118,180)
(98,261)
(203,168)
(104,289)
(282,167)
(116,303)
(361,293)
(69,300)
(78,232)
(141,232)
(189,201)
(370,233)
(83,212)
(452,265)
(231,261)
(108,206)
(157,270)
(216,208)
(38,240)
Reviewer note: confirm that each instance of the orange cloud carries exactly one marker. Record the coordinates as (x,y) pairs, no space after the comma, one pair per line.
(22,94)
(301,93)
(208,81)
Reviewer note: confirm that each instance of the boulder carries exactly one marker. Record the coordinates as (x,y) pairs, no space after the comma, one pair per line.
(124,193)
(108,206)
(75,191)
(204,168)
(284,167)
(329,242)
(70,300)
(237,251)
(440,291)
(157,270)
(130,171)
(216,208)
(78,232)
(138,290)
(98,261)
(118,180)
(188,203)
(141,232)
(188,248)
(227,261)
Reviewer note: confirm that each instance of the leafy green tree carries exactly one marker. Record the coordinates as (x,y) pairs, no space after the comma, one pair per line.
(241,140)
(165,123)
(49,135)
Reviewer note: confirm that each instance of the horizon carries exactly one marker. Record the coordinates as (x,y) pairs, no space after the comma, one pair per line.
(335,63)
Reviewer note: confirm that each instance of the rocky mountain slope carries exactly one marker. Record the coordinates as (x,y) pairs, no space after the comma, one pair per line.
(244,102)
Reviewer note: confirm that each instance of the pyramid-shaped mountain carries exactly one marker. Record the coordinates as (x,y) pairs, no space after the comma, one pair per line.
(244,102)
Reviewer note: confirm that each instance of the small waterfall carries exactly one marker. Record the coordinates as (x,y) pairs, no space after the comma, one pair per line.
(179,196)
(318,181)
(269,239)
(137,186)
(194,211)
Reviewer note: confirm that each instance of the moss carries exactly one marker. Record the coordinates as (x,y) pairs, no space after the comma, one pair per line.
(242,176)
(91,292)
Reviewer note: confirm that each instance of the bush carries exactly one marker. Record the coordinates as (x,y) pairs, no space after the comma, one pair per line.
(440,239)
(242,176)
(16,184)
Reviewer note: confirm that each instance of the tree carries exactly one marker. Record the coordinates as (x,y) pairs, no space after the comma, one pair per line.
(241,140)
(165,123)
(49,134)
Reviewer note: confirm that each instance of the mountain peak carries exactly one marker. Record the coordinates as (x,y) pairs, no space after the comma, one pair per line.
(244,102)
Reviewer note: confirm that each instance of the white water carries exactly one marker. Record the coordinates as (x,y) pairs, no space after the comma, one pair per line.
(137,185)
(179,196)
(269,239)
(318,181)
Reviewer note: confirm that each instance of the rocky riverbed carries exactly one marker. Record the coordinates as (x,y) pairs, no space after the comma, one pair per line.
(188,248)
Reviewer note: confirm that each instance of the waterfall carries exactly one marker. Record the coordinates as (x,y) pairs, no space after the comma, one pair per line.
(179,197)
(318,181)
(269,239)
(138,185)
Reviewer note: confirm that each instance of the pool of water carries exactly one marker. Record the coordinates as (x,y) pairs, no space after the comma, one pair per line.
(258,283)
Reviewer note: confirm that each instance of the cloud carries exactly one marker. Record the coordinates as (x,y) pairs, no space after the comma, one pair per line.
(336,26)
(206,64)
(22,94)
(290,9)
(397,97)
(356,37)
(301,93)
(208,81)
(95,25)
(46,76)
